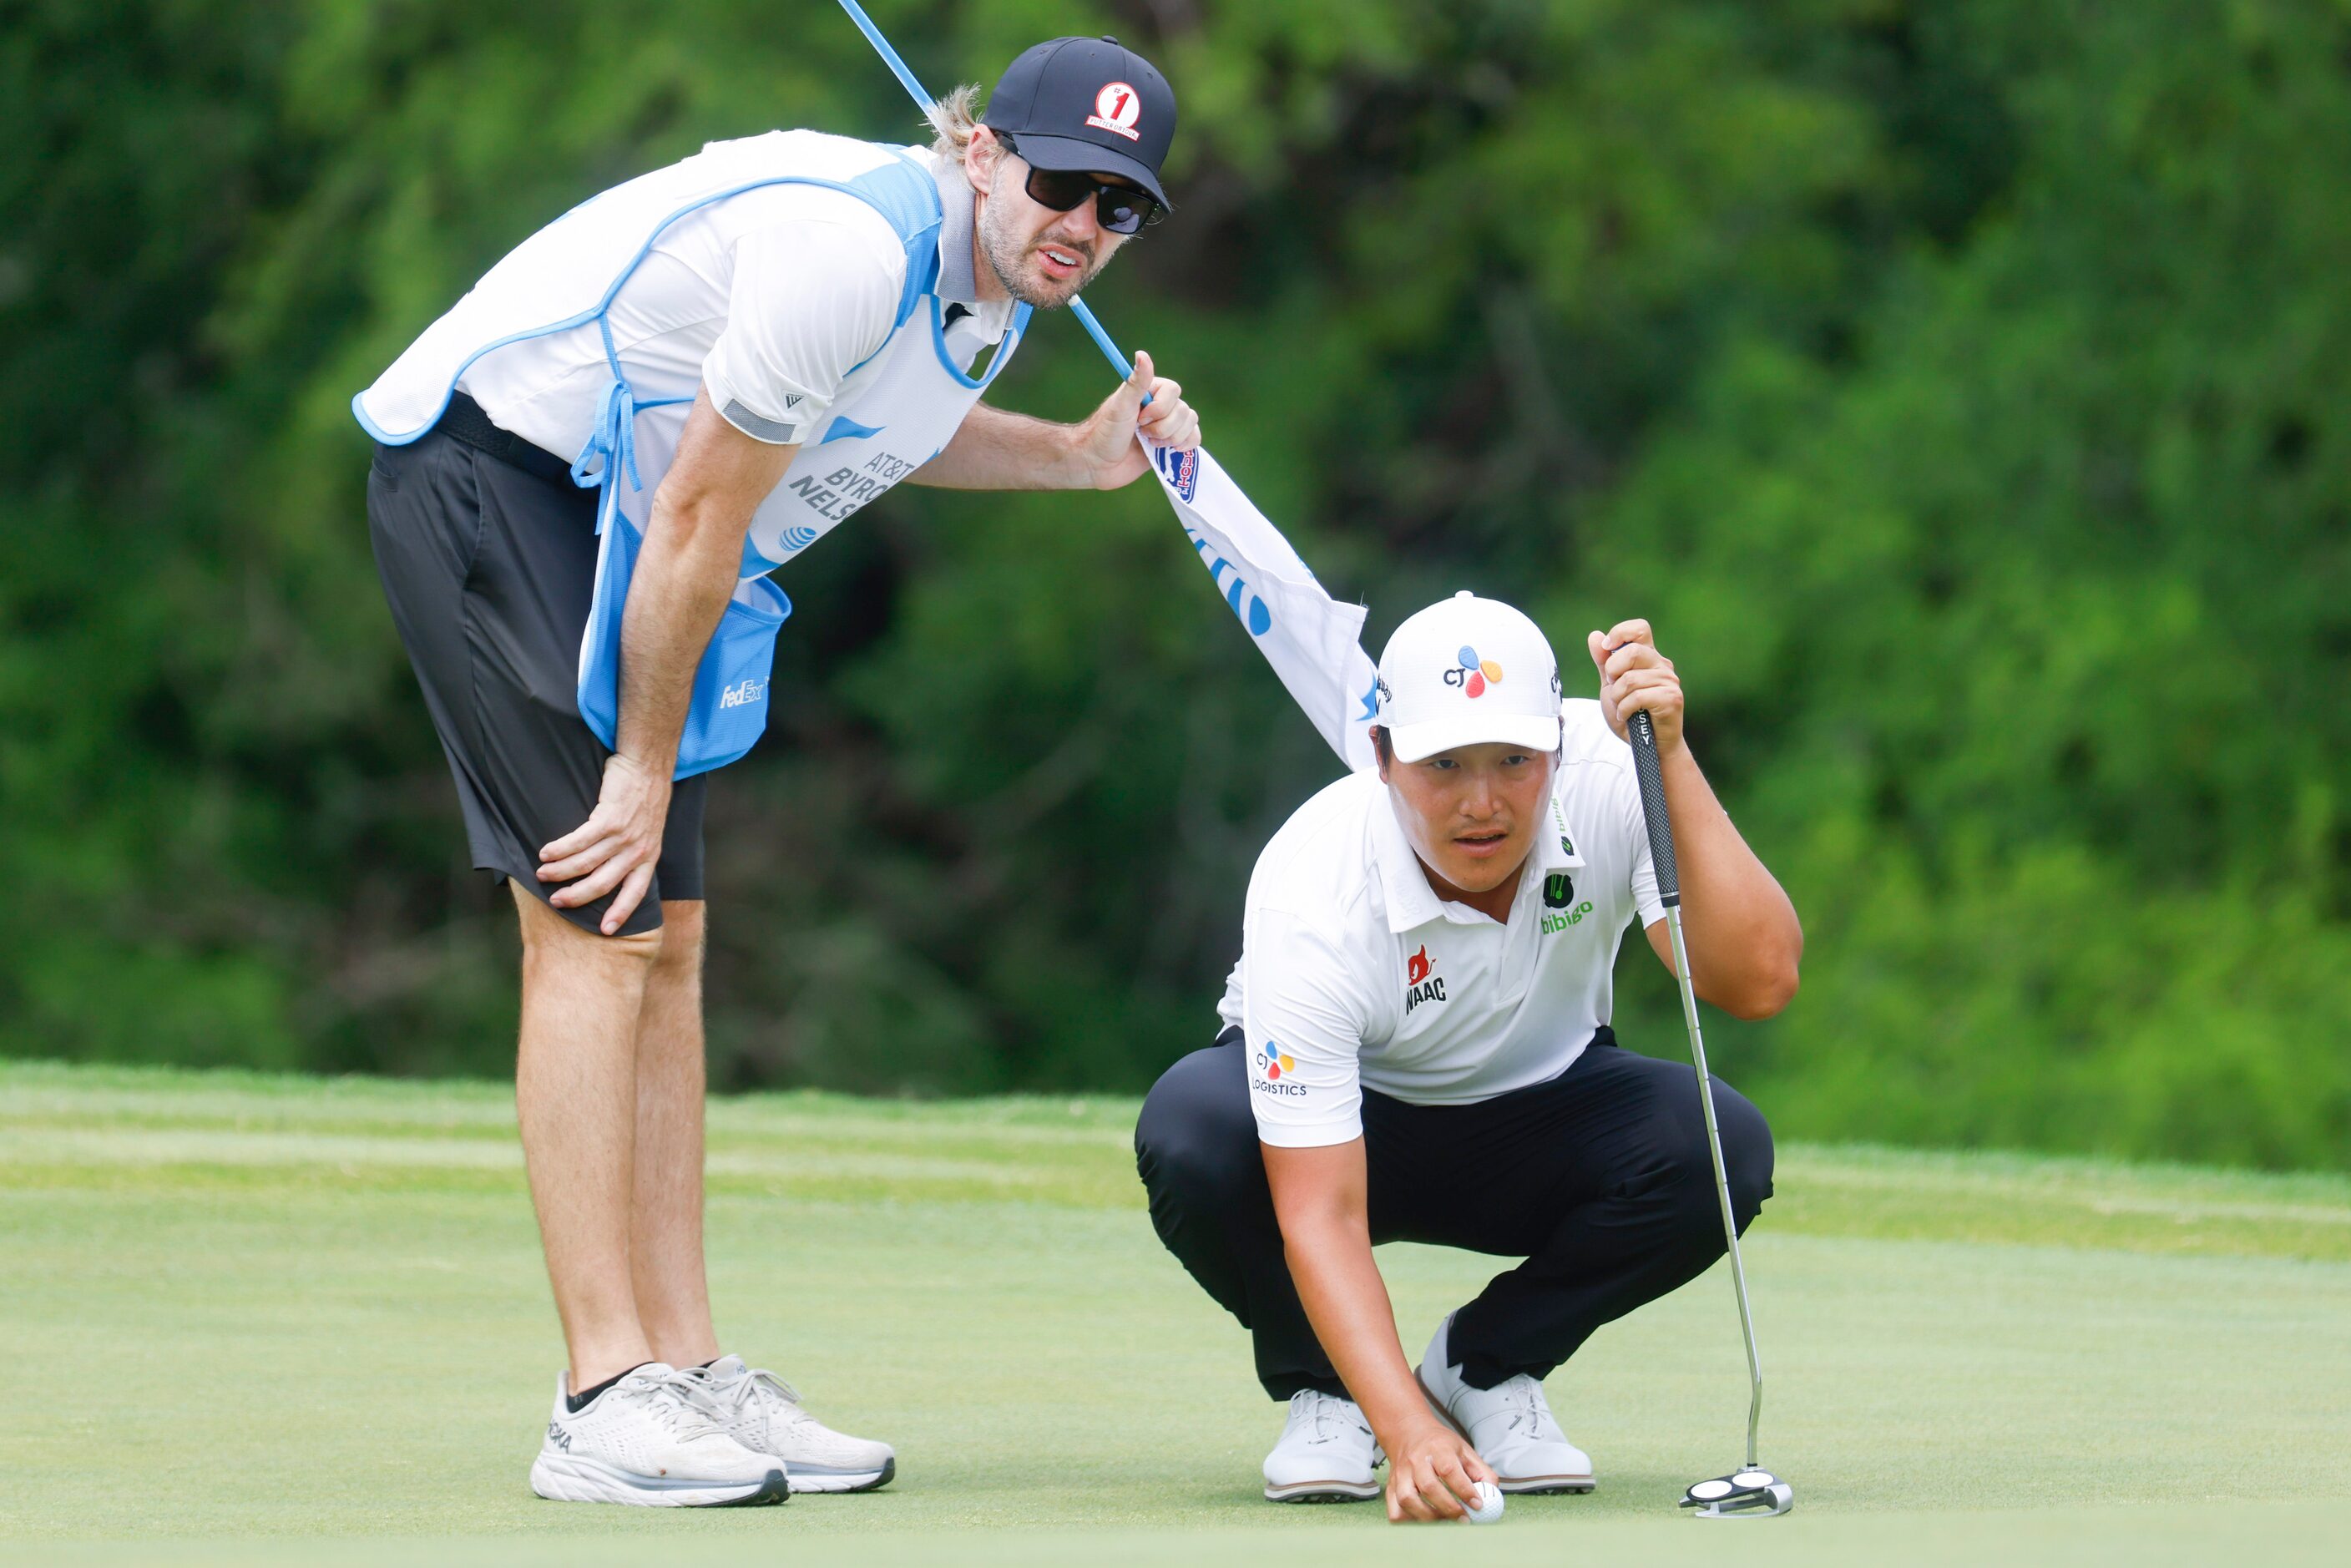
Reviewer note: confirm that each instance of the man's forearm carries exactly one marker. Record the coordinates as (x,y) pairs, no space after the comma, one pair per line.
(684,574)
(1743,935)
(997,450)
(1346,1301)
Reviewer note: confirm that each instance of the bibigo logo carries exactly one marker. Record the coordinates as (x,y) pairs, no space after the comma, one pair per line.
(1116,109)
(1472,674)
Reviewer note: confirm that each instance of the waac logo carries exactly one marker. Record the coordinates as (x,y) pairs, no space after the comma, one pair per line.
(1419,984)
(1473,674)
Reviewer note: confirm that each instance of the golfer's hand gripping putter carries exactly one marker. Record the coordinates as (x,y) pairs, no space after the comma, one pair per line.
(1751,1492)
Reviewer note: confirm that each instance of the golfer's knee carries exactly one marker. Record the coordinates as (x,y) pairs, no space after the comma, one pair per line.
(1747,1153)
(1195,1141)
(550,939)
(681,939)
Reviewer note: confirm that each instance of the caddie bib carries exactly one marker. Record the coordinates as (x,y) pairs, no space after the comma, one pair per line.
(894,412)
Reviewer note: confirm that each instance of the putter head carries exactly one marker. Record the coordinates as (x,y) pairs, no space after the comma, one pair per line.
(1742,1494)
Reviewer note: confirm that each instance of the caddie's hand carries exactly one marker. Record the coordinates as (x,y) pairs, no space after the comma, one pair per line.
(617,848)
(1433,1474)
(1634,678)
(1106,442)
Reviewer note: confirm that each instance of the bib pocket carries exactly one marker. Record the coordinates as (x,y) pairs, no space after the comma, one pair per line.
(729,707)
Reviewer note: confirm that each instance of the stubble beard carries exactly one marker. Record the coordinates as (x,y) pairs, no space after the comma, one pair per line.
(1007,253)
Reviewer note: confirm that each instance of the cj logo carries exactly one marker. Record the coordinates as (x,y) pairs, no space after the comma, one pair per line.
(1116,109)
(1273,1061)
(1473,674)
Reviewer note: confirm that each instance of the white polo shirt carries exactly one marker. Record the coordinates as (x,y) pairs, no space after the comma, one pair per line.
(769,299)
(1354,974)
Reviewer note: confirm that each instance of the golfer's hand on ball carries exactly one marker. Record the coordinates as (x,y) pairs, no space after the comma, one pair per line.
(617,847)
(1106,441)
(1433,1474)
(1634,677)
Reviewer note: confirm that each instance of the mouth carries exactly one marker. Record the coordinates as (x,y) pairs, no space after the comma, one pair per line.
(1062,263)
(1481,845)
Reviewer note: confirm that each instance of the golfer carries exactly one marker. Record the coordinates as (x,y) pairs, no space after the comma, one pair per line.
(1416,1048)
(586,471)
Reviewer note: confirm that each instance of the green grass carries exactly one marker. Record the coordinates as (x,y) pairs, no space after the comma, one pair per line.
(260,1319)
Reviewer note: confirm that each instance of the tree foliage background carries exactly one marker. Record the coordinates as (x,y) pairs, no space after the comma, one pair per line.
(1958,384)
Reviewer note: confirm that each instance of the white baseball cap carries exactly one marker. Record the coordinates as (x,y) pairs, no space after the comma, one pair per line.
(1465,671)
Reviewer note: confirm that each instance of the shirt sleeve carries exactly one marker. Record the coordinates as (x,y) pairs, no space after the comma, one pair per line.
(1304,1018)
(814,299)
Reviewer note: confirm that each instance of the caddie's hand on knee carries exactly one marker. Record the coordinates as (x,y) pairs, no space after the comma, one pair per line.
(1433,1474)
(1636,678)
(1106,441)
(617,848)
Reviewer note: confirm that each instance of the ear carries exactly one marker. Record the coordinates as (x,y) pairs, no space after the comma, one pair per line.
(980,156)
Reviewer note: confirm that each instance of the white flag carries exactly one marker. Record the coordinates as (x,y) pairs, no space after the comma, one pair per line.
(1313,644)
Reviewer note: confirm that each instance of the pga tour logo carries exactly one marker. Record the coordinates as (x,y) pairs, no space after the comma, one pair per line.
(743,694)
(1116,109)
(1182,469)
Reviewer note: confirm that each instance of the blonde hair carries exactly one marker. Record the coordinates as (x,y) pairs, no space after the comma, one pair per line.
(952,118)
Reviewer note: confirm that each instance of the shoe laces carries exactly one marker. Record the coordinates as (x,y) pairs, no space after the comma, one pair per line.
(752,1385)
(1324,1416)
(1528,1410)
(674,1402)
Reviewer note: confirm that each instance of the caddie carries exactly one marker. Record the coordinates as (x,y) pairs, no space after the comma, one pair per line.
(586,471)
(1415,1047)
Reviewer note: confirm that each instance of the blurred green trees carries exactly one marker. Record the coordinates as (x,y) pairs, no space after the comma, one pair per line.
(1959,387)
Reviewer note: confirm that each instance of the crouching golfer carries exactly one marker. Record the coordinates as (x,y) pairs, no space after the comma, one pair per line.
(1416,1048)
(588,467)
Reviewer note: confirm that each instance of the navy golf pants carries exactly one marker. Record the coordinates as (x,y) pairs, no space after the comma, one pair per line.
(1599,1178)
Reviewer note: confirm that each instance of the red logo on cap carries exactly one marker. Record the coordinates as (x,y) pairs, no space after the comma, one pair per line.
(1117,107)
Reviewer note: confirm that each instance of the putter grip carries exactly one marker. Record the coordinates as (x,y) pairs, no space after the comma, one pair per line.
(1645,768)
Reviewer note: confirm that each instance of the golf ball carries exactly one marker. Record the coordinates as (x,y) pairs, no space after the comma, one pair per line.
(1489,1504)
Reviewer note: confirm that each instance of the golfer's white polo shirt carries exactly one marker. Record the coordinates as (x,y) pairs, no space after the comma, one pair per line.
(1355,975)
(769,299)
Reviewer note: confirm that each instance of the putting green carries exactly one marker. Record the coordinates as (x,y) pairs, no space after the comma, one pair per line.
(244,1308)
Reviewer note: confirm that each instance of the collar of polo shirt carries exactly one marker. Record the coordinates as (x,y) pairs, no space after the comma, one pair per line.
(958,284)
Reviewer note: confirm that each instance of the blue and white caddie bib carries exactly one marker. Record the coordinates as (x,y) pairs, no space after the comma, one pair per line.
(894,413)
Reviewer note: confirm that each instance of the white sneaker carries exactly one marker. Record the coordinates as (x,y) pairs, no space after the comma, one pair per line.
(1509,1425)
(647,1439)
(763,1413)
(1326,1454)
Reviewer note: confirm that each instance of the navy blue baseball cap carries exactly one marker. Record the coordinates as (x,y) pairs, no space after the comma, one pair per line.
(1087,104)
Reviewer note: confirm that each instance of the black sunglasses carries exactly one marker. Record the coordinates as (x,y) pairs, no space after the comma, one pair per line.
(1120,209)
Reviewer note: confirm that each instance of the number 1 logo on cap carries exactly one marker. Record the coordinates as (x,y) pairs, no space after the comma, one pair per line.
(1117,107)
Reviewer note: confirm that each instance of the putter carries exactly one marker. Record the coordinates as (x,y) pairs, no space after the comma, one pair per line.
(1751,1492)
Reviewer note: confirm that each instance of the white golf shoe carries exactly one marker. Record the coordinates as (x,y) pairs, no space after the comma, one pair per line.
(647,1439)
(763,1413)
(1326,1454)
(1509,1425)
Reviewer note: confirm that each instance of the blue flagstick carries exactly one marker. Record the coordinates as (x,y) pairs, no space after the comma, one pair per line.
(923,100)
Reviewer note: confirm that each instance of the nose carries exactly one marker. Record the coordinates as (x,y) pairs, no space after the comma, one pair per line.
(1079,222)
(1480,800)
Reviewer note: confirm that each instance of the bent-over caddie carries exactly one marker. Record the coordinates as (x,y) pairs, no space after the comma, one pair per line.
(1417,1047)
(586,471)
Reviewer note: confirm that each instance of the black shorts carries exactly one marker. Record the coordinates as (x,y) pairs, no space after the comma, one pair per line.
(489,564)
